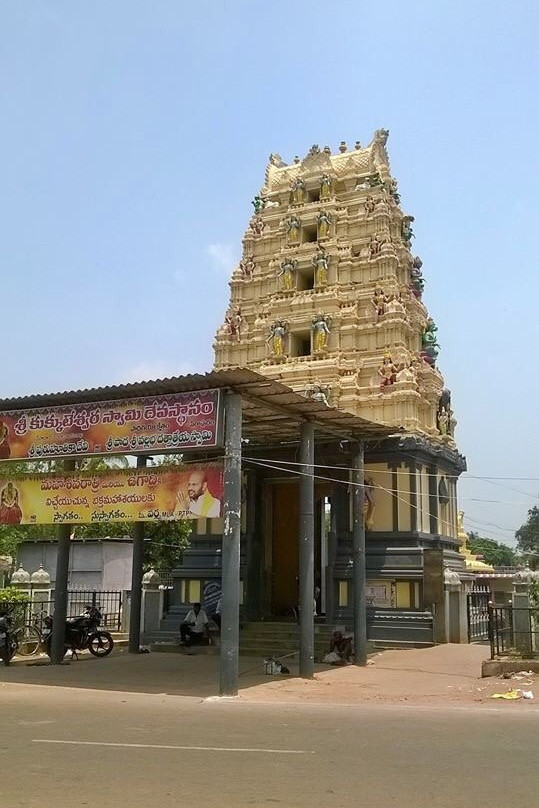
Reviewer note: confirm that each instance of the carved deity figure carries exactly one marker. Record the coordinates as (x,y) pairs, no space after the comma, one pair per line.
(387,372)
(429,342)
(375,246)
(394,305)
(297,188)
(406,373)
(320,261)
(234,322)
(257,204)
(406,230)
(369,205)
(293,225)
(362,185)
(443,421)
(257,225)
(381,205)
(287,273)
(320,329)
(276,337)
(392,189)
(444,415)
(317,393)
(323,220)
(417,282)
(379,300)
(247,266)
(381,136)
(325,187)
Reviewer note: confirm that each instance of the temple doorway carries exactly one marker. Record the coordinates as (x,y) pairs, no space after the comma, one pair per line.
(285,548)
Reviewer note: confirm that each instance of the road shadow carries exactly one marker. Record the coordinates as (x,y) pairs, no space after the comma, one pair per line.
(175,674)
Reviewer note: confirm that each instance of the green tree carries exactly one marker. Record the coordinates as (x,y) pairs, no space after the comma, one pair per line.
(495,553)
(527,537)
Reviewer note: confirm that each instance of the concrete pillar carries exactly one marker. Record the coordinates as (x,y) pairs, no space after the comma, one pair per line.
(152,602)
(60,585)
(359,560)
(306,553)
(41,591)
(136,579)
(521,614)
(457,614)
(230,609)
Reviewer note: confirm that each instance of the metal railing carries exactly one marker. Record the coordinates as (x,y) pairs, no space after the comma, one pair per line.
(513,631)
(109,603)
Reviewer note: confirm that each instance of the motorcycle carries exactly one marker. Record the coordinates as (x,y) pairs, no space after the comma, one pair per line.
(8,643)
(81,633)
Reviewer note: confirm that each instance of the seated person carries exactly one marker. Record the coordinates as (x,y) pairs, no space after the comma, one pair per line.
(340,649)
(195,626)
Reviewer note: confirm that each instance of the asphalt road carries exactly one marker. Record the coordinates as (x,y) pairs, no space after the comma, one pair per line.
(61,746)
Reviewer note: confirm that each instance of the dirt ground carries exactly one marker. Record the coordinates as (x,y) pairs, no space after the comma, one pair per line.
(439,676)
(444,674)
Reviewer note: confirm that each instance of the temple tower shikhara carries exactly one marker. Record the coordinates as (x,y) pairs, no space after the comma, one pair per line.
(327,297)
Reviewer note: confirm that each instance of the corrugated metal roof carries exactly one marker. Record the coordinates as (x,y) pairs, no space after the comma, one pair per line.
(271,410)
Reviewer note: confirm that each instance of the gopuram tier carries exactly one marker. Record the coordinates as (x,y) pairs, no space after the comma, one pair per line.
(328,295)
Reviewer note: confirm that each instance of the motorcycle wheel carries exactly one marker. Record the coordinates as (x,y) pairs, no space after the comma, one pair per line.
(100,644)
(8,651)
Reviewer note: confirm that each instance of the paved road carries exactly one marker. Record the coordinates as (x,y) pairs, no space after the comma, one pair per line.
(135,749)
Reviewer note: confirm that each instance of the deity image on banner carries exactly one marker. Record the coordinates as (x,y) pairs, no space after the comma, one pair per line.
(10,511)
(5,448)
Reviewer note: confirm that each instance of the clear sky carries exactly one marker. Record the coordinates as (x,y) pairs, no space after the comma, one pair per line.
(134,135)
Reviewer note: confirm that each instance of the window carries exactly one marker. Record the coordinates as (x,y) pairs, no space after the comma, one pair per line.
(343,593)
(190,591)
(309,234)
(300,343)
(305,279)
(314,195)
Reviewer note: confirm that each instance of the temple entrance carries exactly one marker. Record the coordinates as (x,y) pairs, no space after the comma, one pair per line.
(285,550)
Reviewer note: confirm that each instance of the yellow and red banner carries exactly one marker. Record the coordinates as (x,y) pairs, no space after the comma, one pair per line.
(158,424)
(148,495)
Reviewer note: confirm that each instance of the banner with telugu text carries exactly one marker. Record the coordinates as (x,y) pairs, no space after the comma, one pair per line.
(173,422)
(148,495)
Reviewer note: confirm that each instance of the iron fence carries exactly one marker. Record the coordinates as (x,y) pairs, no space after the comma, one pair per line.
(109,603)
(513,631)
(478,615)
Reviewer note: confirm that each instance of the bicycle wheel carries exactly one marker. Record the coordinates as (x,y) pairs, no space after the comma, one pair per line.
(28,640)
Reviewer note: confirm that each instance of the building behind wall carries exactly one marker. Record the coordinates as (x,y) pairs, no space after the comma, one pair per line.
(328,299)
(93,564)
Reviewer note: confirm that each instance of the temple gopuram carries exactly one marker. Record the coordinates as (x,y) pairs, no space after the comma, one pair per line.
(328,300)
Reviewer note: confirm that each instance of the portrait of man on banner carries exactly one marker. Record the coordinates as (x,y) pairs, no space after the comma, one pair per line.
(196,496)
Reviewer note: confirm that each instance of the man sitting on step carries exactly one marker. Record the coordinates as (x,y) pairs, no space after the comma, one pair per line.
(194,628)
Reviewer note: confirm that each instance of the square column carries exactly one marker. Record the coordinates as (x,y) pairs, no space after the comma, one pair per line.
(358,557)
(306,552)
(230,607)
